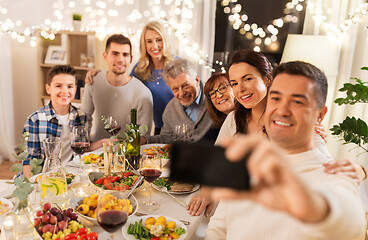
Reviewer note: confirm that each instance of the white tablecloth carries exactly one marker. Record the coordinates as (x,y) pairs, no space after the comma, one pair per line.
(169,207)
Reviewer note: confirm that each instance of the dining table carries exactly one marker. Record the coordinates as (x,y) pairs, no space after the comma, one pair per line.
(169,207)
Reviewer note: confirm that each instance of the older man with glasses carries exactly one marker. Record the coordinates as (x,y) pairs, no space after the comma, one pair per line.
(188,106)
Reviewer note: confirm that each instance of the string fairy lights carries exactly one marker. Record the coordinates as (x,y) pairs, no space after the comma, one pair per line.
(105,18)
(260,34)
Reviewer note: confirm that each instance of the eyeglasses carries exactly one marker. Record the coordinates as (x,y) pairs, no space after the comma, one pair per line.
(221,89)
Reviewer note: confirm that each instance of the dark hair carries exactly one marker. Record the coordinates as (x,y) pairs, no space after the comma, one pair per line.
(60,69)
(119,39)
(310,71)
(217,116)
(261,63)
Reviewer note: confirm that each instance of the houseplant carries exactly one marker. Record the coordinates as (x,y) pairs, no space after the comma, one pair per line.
(77,21)
(353,130)
(22,213)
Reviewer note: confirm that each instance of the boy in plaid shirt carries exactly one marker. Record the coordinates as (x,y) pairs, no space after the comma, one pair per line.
(57,118)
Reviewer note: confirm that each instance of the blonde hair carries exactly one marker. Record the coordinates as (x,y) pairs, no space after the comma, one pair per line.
(145,65)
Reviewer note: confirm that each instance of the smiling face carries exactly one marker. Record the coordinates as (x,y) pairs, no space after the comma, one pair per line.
(118,58)
(224,102)
(62,90)
(248,85)
(154,44)
(292,112)
(184,88)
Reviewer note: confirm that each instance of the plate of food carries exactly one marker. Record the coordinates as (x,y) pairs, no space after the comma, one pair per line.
(147,227)
(86,207)
(116,181)
(95,157)
(5,206)
(157,148)
(174,187)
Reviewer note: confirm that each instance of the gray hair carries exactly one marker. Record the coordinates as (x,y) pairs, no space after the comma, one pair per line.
(178,66)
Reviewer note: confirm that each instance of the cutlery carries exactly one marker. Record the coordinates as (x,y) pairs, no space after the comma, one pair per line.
(139,180)
(139,214)
(164,189)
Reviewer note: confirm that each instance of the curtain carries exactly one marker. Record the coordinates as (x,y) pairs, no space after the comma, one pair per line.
(6,101)
(353,55)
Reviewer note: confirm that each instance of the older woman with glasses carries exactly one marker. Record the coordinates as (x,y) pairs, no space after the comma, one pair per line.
(220,101)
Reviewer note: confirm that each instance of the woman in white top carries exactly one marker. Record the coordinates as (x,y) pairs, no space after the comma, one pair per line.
(249,75)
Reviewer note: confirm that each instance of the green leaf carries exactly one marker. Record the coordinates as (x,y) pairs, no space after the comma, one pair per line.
(36,170)
(22,156)
(40,161)
(19,181)
(17,167)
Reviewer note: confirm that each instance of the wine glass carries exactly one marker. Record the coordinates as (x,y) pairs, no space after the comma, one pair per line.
(80,141)
(150,169)
(112,211)
(181,133)
(113,126)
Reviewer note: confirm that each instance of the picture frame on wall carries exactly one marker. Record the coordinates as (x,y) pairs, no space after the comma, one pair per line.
(56,55)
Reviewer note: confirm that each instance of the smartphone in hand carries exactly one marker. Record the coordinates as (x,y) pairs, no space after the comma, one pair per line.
(206,164)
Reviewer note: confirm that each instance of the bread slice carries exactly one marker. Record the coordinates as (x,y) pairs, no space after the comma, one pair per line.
(182,187)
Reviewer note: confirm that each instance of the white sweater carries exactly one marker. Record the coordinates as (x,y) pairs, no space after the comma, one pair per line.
(247,220)
(101,98)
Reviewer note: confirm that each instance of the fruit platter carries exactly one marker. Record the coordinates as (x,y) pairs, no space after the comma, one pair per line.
(85,207)
(116,181)
(154,227)
(53,223)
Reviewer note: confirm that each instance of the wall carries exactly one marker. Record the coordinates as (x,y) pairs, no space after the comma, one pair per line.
(24,71)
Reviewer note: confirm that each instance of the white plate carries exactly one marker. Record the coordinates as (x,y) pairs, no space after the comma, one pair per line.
(76,157)
(6,201)
(195,188)
(132,220)
(6,188)
(148,146)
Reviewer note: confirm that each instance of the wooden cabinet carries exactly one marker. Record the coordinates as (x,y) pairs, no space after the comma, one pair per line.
(76,45)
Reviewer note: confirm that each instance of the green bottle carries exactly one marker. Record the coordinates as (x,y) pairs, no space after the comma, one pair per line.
(133,142)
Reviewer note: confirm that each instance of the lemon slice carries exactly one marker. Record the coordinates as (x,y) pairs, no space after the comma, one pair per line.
(56,185)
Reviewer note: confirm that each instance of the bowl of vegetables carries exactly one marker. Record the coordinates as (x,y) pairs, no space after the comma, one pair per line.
(115,181)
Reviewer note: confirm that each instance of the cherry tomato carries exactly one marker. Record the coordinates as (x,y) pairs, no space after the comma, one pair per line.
(108,184)
(100,181)
(82,237)
(71,236)
(118,188)
(92,236)
(81,231)
(113,179)
(127,174)
(155,238)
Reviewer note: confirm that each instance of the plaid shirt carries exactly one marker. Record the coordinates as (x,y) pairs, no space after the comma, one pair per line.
(43,124)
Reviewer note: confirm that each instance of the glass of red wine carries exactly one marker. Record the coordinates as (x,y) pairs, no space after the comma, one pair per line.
(112,211)
(80,141)
(112,126)
(150,169)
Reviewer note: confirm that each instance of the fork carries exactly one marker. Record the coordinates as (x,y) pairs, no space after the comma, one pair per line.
(164,189)
(139,214)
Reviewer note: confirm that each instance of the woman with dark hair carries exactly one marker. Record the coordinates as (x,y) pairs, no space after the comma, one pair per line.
(220,100)
(250,76)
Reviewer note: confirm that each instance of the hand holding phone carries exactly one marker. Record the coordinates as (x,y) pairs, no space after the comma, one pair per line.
(206,164)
